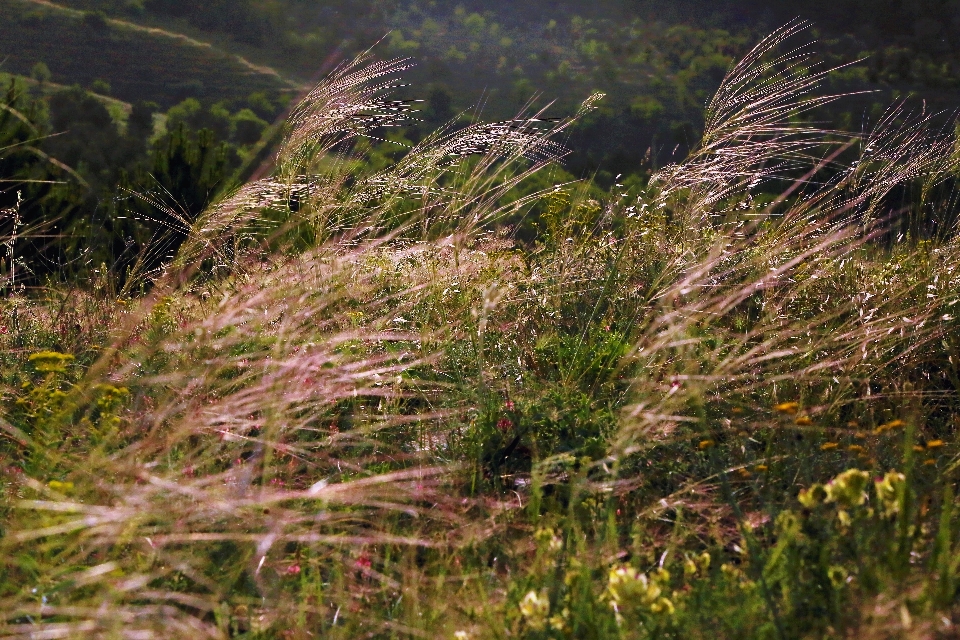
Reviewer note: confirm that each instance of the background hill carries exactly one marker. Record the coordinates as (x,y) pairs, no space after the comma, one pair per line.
(231,68)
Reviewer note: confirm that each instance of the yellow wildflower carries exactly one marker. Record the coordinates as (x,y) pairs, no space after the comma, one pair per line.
(847,489)
(534,608)
(50,361)
(887,489)
(815,495)
(787,407)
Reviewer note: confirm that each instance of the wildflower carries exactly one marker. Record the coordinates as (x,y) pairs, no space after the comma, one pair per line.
(813,496)
(461,635)
(855,448)
(847,489)
(629,589)
(534,609)
(934,444)
(893,424)
(760,468)
(731,572)
(918,448)
(509,405)
(662,605)
(803,421)
(62,487)
(887,489)
(929,462)
(293,569)
(504,425)
(559,622)
(50,361)
(789,408)
(705,444)
(829,446)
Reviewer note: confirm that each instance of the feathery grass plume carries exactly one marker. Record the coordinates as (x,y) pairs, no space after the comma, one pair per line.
(902,147)
(755,305)
(751,133)
(332,196)
(352,101)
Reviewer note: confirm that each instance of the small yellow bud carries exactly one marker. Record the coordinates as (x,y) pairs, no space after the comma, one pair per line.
(787,407)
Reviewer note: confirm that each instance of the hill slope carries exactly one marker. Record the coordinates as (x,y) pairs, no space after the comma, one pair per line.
(139,63)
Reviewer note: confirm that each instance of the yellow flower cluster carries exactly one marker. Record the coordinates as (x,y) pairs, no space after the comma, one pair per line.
(691,565)
(846,490)
(887,489)
(62,487)
(50,361)
(893,424)
(631,591)
(790,408)
(535,607)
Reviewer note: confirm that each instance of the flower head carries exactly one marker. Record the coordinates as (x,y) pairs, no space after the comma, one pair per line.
(50,361)
(535,608)
(789,408)
(887,489)
(847,489)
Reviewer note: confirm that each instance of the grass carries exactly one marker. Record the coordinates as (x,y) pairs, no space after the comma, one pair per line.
(356,405)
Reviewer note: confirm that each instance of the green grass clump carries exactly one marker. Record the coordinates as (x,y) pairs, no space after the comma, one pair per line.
(356,404)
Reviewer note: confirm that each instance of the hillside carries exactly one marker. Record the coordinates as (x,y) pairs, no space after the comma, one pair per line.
(656,62)
(138,63)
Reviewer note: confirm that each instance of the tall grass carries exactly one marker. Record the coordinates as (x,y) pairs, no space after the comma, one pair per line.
(353,405)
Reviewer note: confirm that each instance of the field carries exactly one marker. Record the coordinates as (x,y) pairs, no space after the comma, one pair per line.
(461,395)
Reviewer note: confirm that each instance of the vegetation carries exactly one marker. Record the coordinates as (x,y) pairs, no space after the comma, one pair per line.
(234,72)
(452,392)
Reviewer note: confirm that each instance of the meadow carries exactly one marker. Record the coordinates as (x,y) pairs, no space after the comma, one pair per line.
(463,396)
